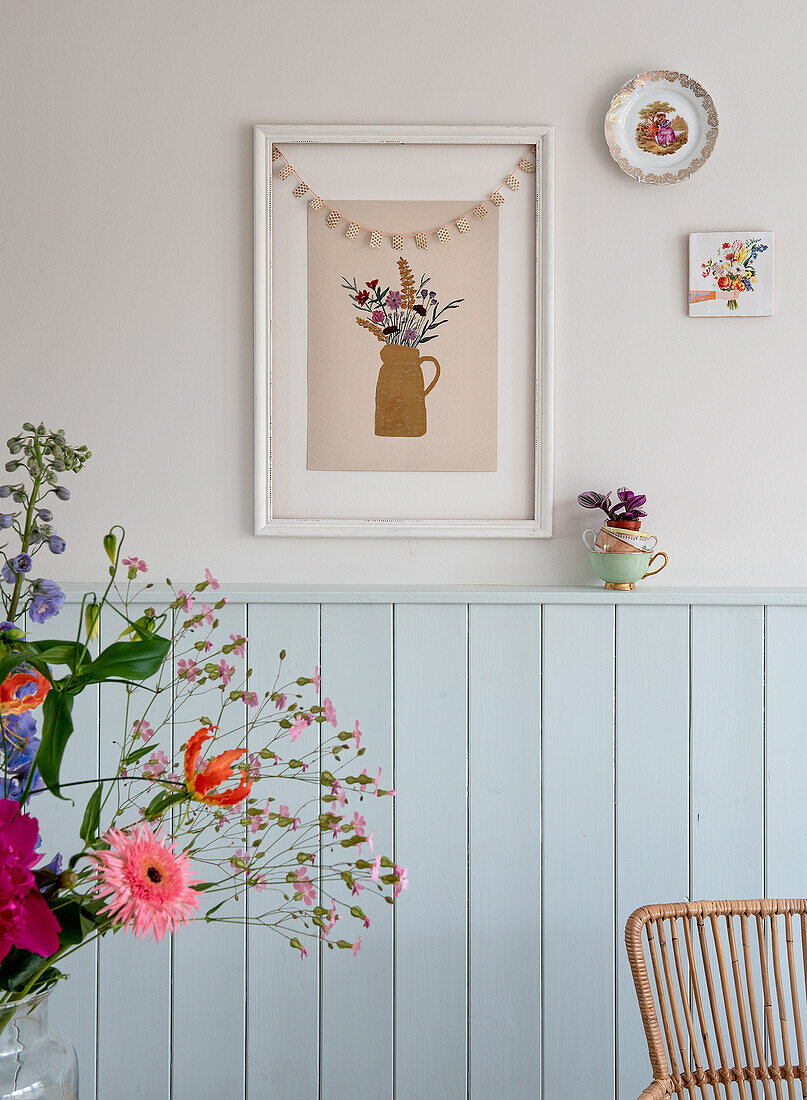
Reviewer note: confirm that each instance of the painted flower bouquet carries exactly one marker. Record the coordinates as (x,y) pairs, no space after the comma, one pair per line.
(733,268)
(407,317)
(170,835)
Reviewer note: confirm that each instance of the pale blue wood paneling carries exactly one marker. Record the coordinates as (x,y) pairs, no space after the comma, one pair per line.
(208,1007)
(578,830)
(140,967)
(786,757)
(73,1005)
(357,993)
(430,837)
(504,780)
(786,772)
(727,752)
(652,795)
(283,989)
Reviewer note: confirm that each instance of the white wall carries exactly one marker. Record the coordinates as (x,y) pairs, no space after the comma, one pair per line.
(125,158)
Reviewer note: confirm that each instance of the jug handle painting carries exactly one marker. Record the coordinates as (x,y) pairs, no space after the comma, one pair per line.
(433,383)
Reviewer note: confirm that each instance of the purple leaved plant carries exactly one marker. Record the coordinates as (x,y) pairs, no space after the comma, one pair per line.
(628,505)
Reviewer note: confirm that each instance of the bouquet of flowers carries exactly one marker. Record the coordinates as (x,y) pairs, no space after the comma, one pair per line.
(168,837)
(733,270)
(407,317)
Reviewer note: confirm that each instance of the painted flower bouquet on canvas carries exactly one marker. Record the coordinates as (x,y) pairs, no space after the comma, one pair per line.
(407,317)
(730,272)
(169,835)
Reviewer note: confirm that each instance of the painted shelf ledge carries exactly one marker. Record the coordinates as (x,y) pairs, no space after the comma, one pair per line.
(483,594)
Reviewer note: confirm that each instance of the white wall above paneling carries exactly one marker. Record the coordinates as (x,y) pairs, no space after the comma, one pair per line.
(557,765)
(126,177)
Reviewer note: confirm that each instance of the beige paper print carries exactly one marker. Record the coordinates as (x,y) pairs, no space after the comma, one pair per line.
(402,344)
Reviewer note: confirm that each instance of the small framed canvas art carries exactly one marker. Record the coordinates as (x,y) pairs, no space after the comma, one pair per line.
(731,274)
(403,339)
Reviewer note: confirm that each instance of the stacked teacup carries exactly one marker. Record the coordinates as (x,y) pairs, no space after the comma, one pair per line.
(620,552)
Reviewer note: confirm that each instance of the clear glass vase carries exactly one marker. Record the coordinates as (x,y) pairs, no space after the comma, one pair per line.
(35,1062)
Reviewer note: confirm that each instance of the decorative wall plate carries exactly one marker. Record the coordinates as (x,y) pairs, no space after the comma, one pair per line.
(661,127)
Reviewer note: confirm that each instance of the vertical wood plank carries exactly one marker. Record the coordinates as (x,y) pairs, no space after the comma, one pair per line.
(727,752)
(786,769)
(357,993)
(786,757)
(652,794)
(431,839)
(208,1009)
(138,969)
(283,989)
(504,780)
(578,830)
(73,1005)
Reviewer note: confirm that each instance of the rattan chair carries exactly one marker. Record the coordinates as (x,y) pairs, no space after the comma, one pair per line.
(729,981)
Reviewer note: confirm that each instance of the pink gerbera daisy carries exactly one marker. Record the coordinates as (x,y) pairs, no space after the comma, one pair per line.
(147,885)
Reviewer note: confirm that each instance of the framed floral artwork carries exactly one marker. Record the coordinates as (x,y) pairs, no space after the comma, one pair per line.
(403,331)
(731,274)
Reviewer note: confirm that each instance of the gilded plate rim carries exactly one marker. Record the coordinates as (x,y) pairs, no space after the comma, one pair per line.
(629,88)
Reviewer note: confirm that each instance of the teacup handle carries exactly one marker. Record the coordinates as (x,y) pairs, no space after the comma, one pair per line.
(652,572)
(649,546)
(594,539)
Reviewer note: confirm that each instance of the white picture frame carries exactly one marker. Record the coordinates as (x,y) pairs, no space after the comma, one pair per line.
(266,520)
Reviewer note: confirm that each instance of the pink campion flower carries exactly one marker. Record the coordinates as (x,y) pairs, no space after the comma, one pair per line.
(301,722)
(187,606)
(330,712)
(357,947)
(250,698)
(359,824)
(146,884)
(226,671)
(375,782)
(207,647)
(338,791)
(143,729)
(207,613)
(187,669)
(258,881)
(284,811)
(305,886)
(156,765)
(303,952)
(137,564)
(331,920)
(376,868)
(402,882)
(366,922)
(26,920)
(239,860)
(280,702)
(211,580)
(253,768)
(316,679)
(357,734)
(356,888)
(238,644)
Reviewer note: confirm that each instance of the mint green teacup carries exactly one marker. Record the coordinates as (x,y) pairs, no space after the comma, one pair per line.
(624,570)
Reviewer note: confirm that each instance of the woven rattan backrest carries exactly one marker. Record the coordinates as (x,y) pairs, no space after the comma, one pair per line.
(722,988)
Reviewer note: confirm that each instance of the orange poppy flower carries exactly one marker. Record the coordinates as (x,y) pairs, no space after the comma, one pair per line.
(202,784)
(12,702)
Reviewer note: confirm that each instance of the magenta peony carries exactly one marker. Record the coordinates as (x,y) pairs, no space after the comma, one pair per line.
(25,919)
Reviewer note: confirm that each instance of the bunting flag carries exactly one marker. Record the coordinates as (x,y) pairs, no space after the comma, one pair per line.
(285,171)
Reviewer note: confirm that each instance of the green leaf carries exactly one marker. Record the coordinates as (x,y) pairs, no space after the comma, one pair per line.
(163,801)
(59,652)
(136,754)
(57,726)
(92,815)
(135,660)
